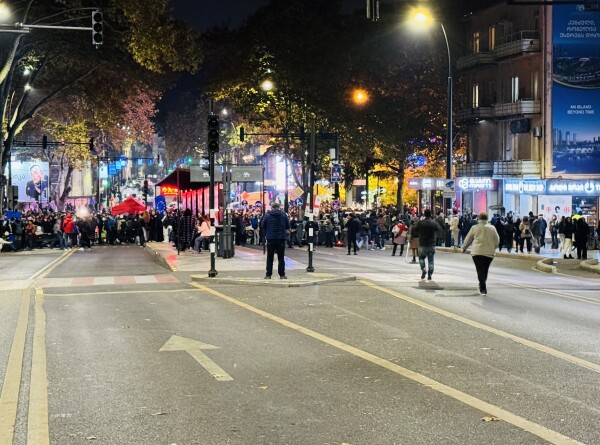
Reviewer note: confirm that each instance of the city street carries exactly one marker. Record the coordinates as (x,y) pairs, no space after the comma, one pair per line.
(110,346)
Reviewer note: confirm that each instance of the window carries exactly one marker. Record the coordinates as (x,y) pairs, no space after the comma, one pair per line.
(492,37)
(515,89)
(475,43)
(475,95)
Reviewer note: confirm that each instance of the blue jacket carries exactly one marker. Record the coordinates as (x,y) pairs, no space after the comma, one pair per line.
(275,225)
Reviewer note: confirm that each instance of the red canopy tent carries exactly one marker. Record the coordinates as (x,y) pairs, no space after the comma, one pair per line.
(129,205)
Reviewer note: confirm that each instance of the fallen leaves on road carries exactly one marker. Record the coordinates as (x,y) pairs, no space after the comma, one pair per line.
(160,413)
(90,438)
(490,419)
(263,387)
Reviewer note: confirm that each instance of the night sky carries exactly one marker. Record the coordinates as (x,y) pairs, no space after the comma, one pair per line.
(206,13)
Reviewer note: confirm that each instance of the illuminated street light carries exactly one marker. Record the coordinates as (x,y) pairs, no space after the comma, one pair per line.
(422,17)
(360,96)
(4,12)
(267,85)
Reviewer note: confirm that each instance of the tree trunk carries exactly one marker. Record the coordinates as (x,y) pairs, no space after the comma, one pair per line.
(63,187)
(399,192)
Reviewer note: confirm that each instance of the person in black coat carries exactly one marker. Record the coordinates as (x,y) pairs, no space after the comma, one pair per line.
(353,227)
(582,235)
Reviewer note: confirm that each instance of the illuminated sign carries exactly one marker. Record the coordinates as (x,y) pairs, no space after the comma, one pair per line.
(426,183)
(166,190)
(524,187)
(584,187)
(477,183)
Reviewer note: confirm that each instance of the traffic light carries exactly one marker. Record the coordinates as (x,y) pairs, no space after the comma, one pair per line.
(97,37)
(189,160)
(213,133)
(91,145)
(242,134)
(45,142)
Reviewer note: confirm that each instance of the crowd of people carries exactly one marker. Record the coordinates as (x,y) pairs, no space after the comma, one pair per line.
(377,229)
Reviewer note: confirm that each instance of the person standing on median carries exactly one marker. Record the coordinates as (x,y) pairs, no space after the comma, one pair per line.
(275,225)
(427,231)
(485,239)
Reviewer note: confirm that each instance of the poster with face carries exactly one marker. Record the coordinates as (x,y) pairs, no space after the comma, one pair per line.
(32,180)
(550,205)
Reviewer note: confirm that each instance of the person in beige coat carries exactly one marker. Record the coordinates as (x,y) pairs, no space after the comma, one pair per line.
(483,239)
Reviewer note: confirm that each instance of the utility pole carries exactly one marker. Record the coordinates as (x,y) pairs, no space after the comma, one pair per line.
(312,225)
(213,147)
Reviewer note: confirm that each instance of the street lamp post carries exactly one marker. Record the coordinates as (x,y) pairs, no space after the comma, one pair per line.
(424,17)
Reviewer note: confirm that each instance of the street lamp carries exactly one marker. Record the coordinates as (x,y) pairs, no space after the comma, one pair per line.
(360,96)
(4,12)
(423,18)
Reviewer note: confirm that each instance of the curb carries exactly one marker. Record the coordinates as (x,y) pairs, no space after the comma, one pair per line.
(158,258)
(545,265)
(590,265)
(271,283)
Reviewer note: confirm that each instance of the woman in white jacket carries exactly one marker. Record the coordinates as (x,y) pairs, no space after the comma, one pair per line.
(485,240)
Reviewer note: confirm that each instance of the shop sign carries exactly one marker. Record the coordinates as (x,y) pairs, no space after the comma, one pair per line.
(477,183)
(426,183)
(166,190)
(526,187)
(584,187)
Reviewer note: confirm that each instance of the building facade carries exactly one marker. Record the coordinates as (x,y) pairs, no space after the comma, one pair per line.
(532,119)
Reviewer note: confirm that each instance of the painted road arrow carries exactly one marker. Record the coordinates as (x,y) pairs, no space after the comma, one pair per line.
(194,348)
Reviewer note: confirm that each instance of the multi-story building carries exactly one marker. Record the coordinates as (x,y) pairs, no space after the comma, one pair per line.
(533,114)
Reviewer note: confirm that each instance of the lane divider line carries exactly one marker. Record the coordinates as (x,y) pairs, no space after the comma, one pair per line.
(547,434)
(520,340)
(565,295)
(58,261)
(9,398)
(37,421)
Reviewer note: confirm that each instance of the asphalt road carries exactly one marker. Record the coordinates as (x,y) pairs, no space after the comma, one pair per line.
(118,350)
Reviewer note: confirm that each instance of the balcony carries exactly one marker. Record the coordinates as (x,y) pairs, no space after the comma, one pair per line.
(473,60)
(517,169)
(515,109)
(517,44)
(474,169)
(475,114)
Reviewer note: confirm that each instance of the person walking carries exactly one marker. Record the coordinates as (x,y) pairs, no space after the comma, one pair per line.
(568,230)
(353,227)
(275,225)
(399,232)
(484,239)
(413,240)
(582,235)
(427,233)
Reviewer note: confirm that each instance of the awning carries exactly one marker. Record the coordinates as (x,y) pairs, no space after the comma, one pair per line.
(182,184)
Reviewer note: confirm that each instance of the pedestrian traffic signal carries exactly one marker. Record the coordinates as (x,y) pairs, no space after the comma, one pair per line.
(91,145)
(213,133)
(97,26)
(242,134)
(44,142)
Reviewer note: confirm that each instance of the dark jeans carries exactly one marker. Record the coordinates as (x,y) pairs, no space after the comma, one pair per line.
(352,244)
(523,242)
(276,245)
(482,265)
(426,252)
(401,249)
(582,250)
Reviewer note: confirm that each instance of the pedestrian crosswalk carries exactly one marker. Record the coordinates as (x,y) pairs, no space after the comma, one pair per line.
(88,281)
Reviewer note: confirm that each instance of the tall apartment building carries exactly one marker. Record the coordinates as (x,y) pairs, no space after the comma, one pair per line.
(532,119)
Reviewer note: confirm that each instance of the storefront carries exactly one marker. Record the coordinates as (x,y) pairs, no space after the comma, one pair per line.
(430,193)
(477,194)
(520,196)
(581,196)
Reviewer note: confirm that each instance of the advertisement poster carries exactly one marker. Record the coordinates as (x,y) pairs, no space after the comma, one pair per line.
(559,205)
(576,90)
(32,180)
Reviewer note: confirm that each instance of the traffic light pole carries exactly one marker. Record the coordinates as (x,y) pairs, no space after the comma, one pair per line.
(212,273)
(312,150)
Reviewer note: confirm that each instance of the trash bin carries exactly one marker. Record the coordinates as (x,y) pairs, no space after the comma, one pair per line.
(224,241)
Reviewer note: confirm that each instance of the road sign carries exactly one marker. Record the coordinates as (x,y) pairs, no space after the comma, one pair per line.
(336,204)
(449,188)
(299,201)
(336,174)
(198,174)
(246,173)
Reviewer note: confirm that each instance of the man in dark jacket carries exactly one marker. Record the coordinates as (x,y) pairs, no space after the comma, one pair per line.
(427,231)
(353,227)
(275,226)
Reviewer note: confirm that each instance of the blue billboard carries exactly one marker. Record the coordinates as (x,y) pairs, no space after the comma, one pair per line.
(576,90)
